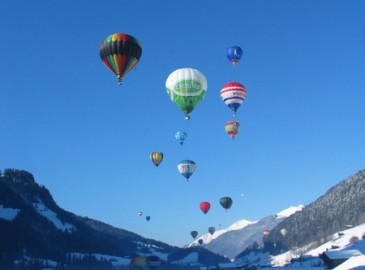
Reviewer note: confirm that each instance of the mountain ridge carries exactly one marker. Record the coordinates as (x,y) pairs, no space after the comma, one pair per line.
(32,225)
(246,231)
(341,205)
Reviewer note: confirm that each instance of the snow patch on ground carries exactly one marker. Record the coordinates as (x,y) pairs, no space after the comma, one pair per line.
(8,213)
(52,216)
(289,211)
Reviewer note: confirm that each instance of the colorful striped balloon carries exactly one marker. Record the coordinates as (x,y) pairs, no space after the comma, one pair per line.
(233,94)
(120,53)
(186,168)
(156,158)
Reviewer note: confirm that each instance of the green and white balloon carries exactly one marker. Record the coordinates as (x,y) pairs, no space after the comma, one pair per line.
(186,88)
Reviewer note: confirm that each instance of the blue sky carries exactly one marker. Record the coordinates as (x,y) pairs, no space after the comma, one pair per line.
(65,119)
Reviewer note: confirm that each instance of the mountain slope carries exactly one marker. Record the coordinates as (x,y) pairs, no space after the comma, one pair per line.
(340,206)
(349,244)
(324,220)
(32,225)
(242,234)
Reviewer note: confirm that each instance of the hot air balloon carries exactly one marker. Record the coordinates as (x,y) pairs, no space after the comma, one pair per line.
(140,213)
(148,218)
(120,53)
(234,54)
(156,158)
(186,88)
(226,202)
(194,234)
(283,232)
(138,262)
(233,94)
(266,232)
(153,262)
(180,136)
(211,230)
(204,206)
(200,241)
(186,168)
(232,128)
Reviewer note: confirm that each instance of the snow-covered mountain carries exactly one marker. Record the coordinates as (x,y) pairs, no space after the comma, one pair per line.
(241,234)
(34,228)
(348,244)
(314,233)
(207,238)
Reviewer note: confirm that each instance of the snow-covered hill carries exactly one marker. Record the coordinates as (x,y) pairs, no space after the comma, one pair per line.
(25,205)
(237,237)
(344,243)
(207,238)
(347,241)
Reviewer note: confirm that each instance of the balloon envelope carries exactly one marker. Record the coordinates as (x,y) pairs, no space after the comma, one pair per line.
(138,262)
(233,94)
(234,54)
(226,202)
(180,136)
(186,168)
(232,128)
(148,218)
(120,53)
(211,230)
(156,158)
(194,234)
(153,261)
(186,88)
(204,206)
